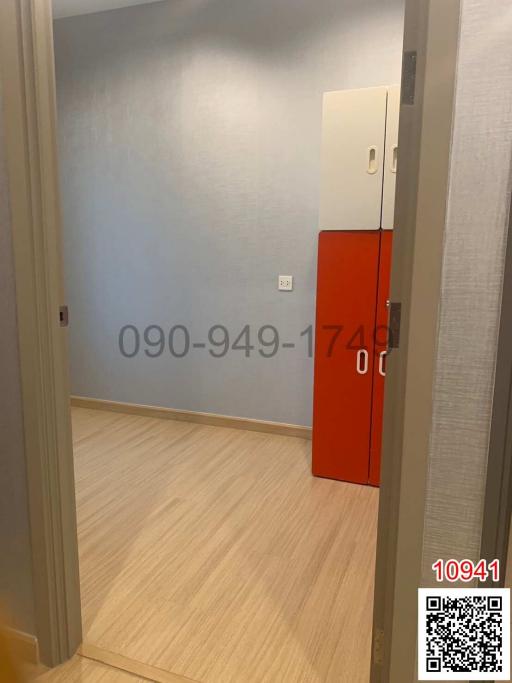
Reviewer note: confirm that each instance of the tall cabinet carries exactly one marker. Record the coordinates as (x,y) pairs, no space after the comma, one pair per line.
(359,161)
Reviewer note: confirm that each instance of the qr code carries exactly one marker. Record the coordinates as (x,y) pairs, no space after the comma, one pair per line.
(464,634)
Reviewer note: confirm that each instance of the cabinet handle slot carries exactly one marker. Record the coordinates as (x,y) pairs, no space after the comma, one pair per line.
(394,159)
(372,160)
(382,363)
(362,362)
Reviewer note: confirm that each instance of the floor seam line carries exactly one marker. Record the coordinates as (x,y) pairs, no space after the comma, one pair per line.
(130,666)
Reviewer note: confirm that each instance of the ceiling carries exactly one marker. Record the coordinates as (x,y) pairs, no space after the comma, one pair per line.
(69,8)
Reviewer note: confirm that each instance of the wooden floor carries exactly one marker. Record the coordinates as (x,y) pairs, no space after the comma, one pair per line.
(214,554)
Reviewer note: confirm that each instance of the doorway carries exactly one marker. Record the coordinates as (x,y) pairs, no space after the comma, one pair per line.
(190,162)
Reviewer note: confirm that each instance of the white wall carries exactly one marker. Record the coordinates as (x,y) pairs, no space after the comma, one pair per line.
(190,150)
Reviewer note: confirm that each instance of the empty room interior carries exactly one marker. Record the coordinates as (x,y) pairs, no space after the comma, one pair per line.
(227,183)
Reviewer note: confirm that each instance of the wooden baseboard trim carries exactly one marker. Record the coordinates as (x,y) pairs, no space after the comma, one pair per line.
(191,416)
(23,646)
(131,666)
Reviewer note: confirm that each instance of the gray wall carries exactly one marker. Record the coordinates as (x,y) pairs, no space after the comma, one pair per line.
(190,144)
(16,597)
(473,263)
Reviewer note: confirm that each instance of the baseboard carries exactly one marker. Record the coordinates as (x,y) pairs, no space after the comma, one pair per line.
(191,416)
(131,666)
(23,646)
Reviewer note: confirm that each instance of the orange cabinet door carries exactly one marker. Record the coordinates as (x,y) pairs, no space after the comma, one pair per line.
(348,266)
(381,344)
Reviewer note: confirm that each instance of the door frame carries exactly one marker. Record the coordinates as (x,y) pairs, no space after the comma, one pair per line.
(431,37)
(28,94)
(26,61)
(498,489)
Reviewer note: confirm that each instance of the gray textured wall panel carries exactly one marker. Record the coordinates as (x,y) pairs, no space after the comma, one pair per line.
(474,253)
(16,597)
(190,144)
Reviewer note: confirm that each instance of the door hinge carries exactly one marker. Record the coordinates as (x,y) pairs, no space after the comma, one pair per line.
(378,647)
(409,77)
(64,316)
(395,321)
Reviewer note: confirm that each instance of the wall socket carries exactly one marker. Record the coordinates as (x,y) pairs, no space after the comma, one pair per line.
(285,283)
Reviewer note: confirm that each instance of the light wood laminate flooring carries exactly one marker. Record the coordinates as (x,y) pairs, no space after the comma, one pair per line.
(214,554)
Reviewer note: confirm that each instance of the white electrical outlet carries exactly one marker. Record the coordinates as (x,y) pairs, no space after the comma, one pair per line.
(285,283)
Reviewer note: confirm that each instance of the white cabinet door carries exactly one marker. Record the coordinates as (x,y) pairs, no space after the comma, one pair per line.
(353,132)
(388,194)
